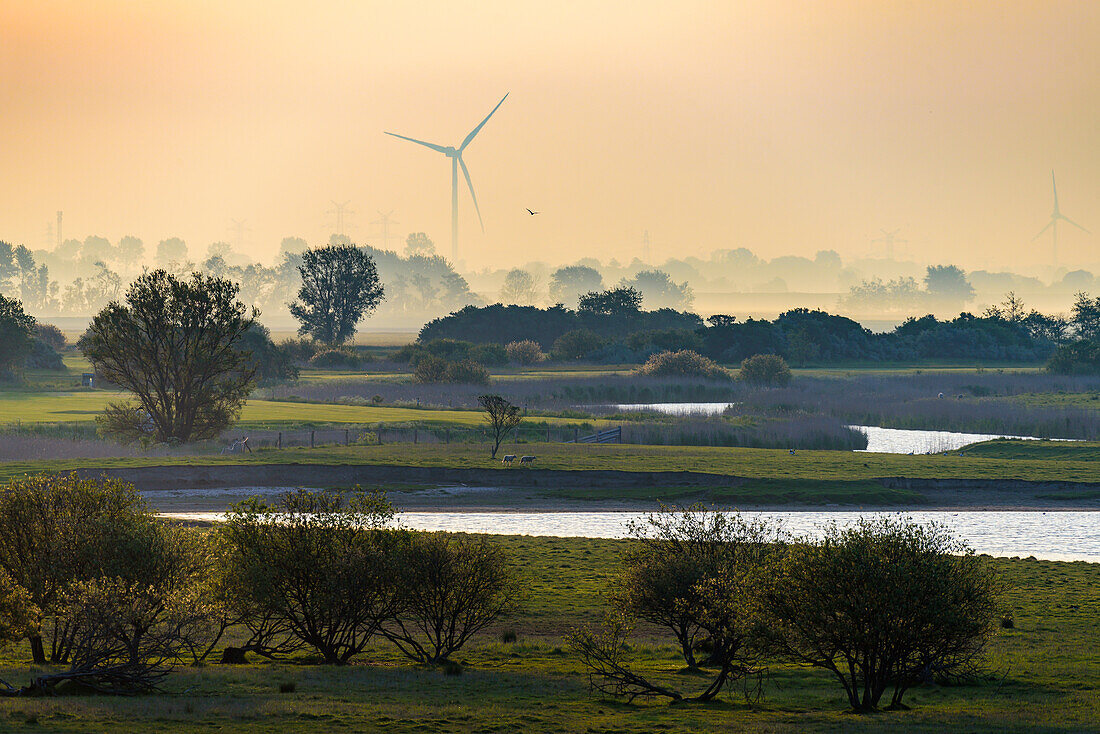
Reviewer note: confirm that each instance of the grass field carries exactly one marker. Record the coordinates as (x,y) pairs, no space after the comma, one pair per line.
(84,406)
(1042,676)
(768,464)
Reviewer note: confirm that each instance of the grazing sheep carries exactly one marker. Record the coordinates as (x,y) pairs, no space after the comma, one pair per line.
(508,459)
(526,459)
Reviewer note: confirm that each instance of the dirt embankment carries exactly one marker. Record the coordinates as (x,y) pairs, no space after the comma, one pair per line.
(532,489)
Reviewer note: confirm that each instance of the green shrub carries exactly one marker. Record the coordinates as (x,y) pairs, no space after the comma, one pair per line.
(766,370)
(43,357)
(577,344)
(336,359)
(467,372)
(525,352)
(51,335)
(492,355)
(684,363)
(1077,358)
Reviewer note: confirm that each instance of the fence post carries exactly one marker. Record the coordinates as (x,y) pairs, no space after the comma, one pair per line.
(620,434)
(576,434)
(347,438)
(416,436)
(280,439)
(547,433)
(312,434)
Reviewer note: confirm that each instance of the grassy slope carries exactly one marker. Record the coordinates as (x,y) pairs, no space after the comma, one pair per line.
(766,464)
(1055,450)
(1044,675)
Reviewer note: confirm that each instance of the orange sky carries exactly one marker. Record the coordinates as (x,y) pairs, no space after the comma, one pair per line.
(785,127)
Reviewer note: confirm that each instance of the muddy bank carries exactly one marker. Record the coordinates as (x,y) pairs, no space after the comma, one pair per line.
(323,475)
(454,489)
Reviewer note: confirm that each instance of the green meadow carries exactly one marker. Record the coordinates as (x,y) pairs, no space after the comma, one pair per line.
(1041,676)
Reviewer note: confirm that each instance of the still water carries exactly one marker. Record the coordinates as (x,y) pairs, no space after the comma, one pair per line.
(879,440)
(1055,536)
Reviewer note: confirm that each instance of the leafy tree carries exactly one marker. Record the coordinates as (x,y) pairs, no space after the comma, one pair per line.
(130,250)
(321,563)
(502,416)
(453,586)
(765,370)
(339,285)
(569,283)
(270,362)
(660,291)
(176,345)
(171,250)
(16,334)
(615,302)
(1076,358)
(577,344)
(882,604)
(57,530)
(1086,317)
(418,243)
(51,335)
(948,282)
(519,287)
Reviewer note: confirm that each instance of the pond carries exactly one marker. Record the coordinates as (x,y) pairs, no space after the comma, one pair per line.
(879,440)
(1056,536)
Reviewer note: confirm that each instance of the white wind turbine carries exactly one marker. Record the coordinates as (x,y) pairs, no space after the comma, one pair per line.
(455,154)
(1053,223)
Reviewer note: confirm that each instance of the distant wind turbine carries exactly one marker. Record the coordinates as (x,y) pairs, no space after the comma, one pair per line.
(455,154)
(1053,223)
(890,239)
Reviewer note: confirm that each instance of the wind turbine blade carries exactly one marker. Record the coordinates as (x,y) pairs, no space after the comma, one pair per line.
(433,146)
(1044,229)
(1075,224)
(478,128)
(466,173)
(1054,183)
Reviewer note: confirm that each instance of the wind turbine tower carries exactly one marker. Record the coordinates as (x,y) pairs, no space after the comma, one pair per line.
(1052,225)
(455,154)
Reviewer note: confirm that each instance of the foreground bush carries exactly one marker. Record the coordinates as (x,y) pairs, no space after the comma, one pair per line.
(525,352)
(696,573)
(765,370)
(684,363)
(91,566)
(318,564)
(452,587)
(883,605)
(43,357)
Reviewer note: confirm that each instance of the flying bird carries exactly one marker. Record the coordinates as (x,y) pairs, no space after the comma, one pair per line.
(531,212)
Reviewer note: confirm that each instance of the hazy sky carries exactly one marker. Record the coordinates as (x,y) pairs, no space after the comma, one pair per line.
(785,127)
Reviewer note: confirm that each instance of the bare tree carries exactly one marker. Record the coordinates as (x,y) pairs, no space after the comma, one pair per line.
(503,417)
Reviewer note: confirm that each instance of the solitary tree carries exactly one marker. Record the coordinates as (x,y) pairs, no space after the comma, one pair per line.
(176,345)
(339,285)
(16,334)
(519,287)
(503,417)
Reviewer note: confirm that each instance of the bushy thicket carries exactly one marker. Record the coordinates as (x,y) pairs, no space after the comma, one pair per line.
(100,585)
(883,605)
(801,336)
(684,363)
